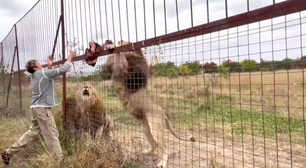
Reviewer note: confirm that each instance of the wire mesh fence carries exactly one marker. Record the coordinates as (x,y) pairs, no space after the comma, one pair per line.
(232,84)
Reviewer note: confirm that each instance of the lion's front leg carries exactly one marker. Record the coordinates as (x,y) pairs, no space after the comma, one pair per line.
(80,122)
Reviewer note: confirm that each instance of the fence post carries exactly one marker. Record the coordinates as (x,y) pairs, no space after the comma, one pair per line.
(1,62)
(18,64)
(3,77)
(9,84)
(63,58)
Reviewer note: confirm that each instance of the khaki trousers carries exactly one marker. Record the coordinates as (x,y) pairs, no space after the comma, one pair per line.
(42,123)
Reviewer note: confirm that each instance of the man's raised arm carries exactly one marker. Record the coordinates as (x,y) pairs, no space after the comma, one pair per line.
(52,73)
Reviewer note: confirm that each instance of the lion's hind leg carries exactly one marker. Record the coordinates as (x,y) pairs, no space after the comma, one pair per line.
(156,124)
(148,134)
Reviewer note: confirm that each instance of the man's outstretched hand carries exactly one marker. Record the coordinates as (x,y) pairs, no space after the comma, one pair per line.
(71,56)
(50,62)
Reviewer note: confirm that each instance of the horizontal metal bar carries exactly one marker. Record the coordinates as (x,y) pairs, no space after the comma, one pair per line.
(269,12)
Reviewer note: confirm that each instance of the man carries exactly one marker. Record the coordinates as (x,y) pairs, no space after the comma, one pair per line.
(43,98)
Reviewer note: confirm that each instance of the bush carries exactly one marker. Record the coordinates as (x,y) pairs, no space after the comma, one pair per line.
(102,73)
(170,70)
(224,70)
(194,67)
(249,65)
(184,70)
(172,73)
(165,69)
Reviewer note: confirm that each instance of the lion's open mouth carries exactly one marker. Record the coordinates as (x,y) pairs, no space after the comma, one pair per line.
(85,93)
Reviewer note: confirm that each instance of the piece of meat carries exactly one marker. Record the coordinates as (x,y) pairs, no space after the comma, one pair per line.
(92,53)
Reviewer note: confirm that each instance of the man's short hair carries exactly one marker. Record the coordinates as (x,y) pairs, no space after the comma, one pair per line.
(30,66)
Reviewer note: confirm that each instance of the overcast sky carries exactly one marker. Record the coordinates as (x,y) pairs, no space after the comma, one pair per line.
(86,20)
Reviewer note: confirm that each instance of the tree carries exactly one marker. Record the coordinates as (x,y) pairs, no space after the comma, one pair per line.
(233,66)
(302,62)
(194,67)
(224,70)
(165,69)
(102,73)
(288,63)
(184,70)
(249,65)
(210,67)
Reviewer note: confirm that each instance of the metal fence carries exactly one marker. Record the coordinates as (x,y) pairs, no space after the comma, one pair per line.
(231,74)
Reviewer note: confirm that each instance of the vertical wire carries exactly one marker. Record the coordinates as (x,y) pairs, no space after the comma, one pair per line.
(207,7)
(262,109)
(240,101)
(81,20)
(303,79)
(77,24)
(248,5)
(165,16)
(90,25)
(221,104)
(198,115)
(41,35)
(226,9)
(38,34)
(101,26)
(52,33)
(251,109)
(191,12)
(230,104)
(154,18)
(144,18)
(95,20)
(288,95)
(120,26)
(127,19)
(105,7)
(177,16)
(51,29)
(212,95)
(113,22)
(73,25)
(214,115)
(206,115)
(69,36)
(190,92)
(274,96)
(86,28)
(135,15)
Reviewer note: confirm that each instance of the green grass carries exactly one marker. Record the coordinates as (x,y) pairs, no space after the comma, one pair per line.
(245,122)
(123,117)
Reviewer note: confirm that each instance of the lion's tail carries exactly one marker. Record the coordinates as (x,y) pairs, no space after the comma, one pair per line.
(169,126)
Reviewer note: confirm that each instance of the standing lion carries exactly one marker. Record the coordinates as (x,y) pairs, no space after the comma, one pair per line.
(129,72)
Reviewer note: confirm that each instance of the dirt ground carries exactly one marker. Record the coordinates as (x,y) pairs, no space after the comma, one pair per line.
(216,151)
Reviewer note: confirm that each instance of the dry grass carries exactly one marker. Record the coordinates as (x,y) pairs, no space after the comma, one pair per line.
(104,153)
(278,92)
